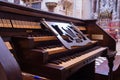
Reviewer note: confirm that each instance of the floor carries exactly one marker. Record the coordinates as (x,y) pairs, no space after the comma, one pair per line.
(102,67)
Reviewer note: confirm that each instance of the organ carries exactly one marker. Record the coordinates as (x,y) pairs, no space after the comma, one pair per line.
(53,45)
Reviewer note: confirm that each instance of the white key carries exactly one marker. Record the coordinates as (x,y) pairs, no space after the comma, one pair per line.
(80,58)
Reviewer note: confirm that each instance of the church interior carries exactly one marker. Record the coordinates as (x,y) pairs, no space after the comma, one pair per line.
(59,39)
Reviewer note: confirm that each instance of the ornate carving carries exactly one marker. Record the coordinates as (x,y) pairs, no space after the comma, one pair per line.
(51,6)
(106,9)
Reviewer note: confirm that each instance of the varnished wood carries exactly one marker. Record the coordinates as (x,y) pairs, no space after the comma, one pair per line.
(31,40)
(96,30)
(9,69)
(44,38)
(8,45)
(36,13)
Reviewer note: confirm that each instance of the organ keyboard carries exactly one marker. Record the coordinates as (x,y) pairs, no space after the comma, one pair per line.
(50,45)
(71,60)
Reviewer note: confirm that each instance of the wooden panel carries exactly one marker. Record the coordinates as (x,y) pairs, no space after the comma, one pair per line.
(9,69)
(106,40)
(28,76)
(26,24)
(97,36)
(37,13)
(81,27)
(8,45)
(1,23)
(5,23)
(44,38)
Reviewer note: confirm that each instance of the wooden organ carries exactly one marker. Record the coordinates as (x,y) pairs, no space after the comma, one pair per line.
(51,45)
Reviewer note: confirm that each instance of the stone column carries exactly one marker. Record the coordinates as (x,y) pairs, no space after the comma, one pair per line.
(98,6)
(114,9)
(77,8)
(86,9)
(94,5)
(95,9)
(118,9)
